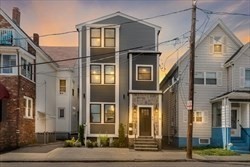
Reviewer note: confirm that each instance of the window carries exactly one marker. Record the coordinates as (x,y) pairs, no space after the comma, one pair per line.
(8,62)
(61,112)
(216,44)
(211,78)
(26,68)
(6,37)
(95,35)
(109,113)
(204,141)
(247,77)
(95,113)
(109,37)
(95,74)
(198,117)
(144,73)
(62,86)
(28,107)
(199,78)
(205,78)
(216,114)
(109,74)
(73,92)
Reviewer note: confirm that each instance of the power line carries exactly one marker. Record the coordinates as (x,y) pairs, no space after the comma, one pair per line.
(221,13)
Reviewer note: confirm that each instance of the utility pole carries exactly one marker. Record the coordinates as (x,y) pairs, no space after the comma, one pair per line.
(191,84)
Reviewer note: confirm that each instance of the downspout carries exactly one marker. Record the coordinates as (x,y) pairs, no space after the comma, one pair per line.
(18,101)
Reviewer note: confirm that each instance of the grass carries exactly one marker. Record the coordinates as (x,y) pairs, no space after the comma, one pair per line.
(215,152)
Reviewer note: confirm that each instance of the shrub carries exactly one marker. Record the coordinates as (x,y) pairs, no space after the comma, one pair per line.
(122,138)
(72,143)
(115,143)
(81,134)
(104,141)
(89,144)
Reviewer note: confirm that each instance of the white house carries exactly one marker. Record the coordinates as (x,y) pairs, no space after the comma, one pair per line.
(221,98)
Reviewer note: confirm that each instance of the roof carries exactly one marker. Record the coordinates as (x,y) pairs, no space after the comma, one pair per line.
(220,23)
(118,14)
(62,53)
(238,53)
(234,95)
(28,39)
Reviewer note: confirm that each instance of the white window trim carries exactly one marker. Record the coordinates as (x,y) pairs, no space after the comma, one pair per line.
(103,73)
(102,27)
(59,108)
(65,93)
(144,65)
(204,139)
(245,84)
(32,70)
(102,112)
(14,68)
(214,42)
(26,108)
(202,117)
(205,78)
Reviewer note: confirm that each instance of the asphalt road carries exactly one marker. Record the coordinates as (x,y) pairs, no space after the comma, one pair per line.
(129,164)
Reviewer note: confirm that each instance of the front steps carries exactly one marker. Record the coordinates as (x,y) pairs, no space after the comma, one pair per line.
(145,143)
(240,146)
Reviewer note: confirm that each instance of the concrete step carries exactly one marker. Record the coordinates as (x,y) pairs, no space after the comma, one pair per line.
(145,142)
(146,149)
(239,144)
(146,145)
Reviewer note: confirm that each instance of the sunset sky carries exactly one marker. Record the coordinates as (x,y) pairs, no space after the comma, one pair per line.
(55,16)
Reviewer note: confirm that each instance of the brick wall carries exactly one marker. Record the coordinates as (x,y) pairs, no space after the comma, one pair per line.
(4,23)
(13,118)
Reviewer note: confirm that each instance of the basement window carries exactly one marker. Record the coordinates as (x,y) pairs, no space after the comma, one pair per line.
(204,141)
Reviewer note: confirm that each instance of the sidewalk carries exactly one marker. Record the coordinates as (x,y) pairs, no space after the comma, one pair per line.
(110,155)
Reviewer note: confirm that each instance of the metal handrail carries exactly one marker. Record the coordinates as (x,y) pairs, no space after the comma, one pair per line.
(243,129)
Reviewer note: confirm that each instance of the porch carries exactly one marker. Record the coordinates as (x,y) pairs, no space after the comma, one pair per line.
(231,121)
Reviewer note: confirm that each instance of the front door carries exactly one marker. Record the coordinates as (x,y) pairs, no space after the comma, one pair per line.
(145,121)
(235,121)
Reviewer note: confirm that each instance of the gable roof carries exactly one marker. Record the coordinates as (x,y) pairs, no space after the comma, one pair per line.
(237,54)
(220,23)
(28,39)
(122,15)
(62,53)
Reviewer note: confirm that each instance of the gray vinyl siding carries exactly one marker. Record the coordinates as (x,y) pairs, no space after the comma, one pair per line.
(169,110)
(102,55)
(102,93)
(132,34)
(144,59)
(123,90)
(229,79)
(83,47)
(244,62)
(102,128)
(204,62)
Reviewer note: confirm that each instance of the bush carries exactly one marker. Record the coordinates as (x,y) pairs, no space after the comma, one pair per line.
(104,141)
(115,143)
(81,134)
(89,144)
(122,138)
(72,143)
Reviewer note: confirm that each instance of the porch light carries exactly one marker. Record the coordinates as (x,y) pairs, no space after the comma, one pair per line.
(134,108)
(156,108)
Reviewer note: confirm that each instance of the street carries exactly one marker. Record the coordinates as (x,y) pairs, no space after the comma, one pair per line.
(128,164)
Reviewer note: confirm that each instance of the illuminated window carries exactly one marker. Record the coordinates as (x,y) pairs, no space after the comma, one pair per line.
(109,113)
(95,35)
(109,37)
(109,76)
(216,44)
(198,117)
(62,86)
(95,74)
(28,107)
(144,73)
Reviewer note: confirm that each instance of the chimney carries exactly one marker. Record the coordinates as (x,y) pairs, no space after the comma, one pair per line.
(36,39)
(16,15)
